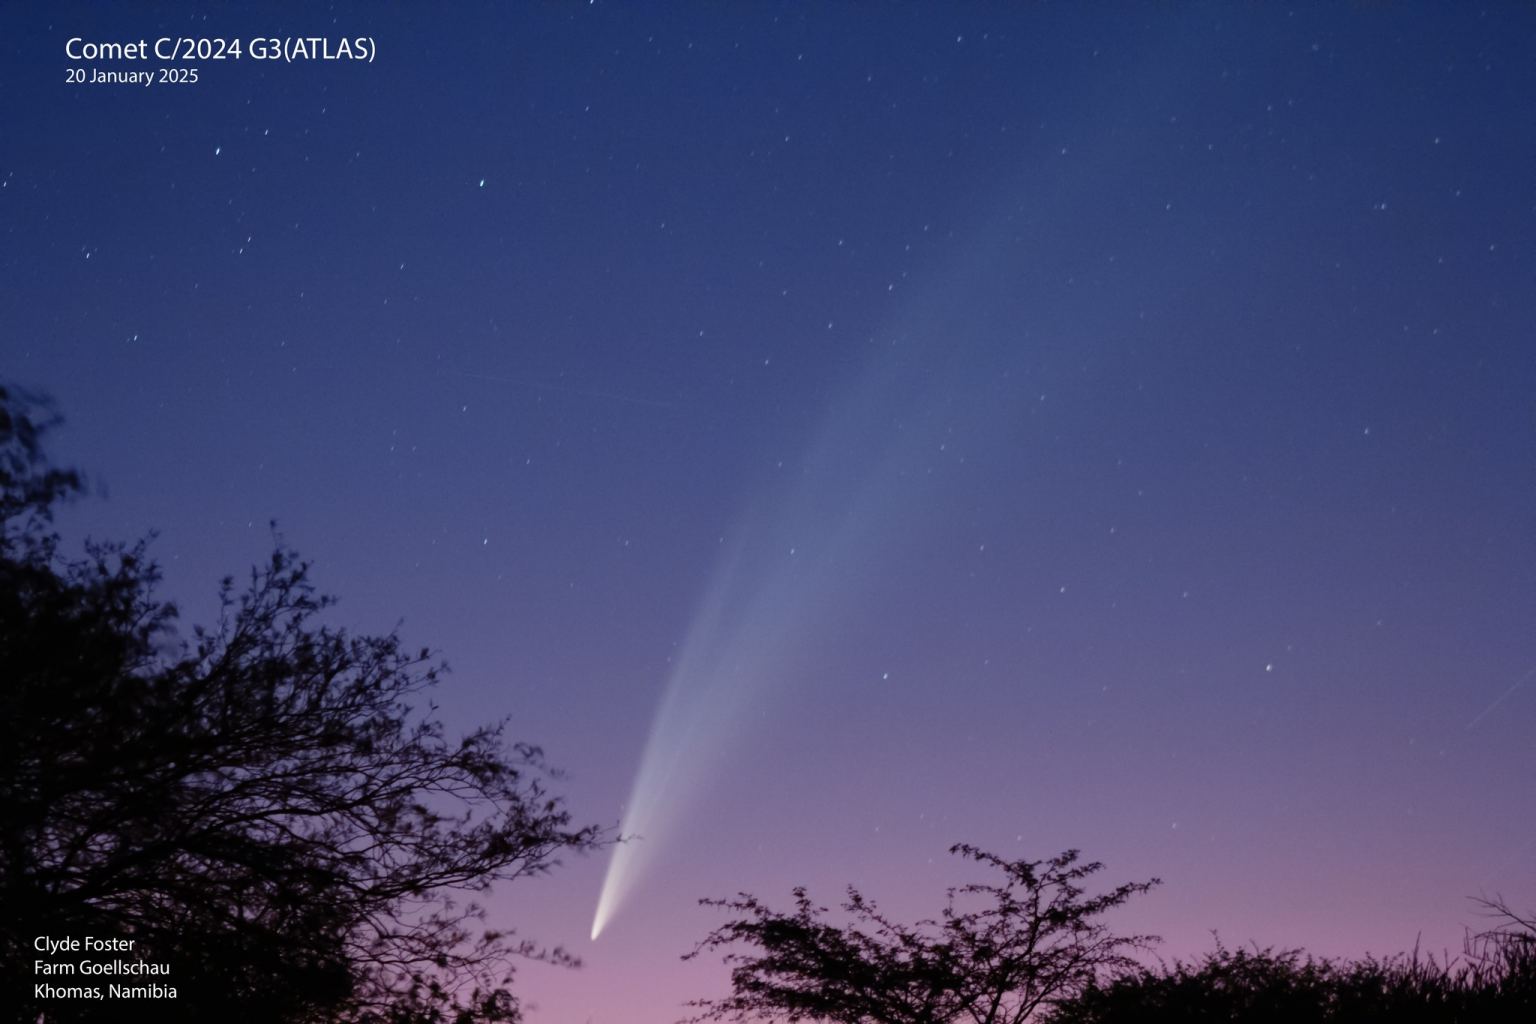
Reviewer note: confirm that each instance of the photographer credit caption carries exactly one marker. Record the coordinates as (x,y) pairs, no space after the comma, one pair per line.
(107,968)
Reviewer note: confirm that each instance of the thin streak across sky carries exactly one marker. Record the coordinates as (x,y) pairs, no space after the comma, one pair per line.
(1501,698)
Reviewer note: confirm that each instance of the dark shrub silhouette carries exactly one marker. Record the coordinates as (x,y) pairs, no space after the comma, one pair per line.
(1493,981)
(997,954)
(260,805)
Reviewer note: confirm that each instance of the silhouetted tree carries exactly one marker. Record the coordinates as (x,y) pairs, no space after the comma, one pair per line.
(262,804)
(29,486)
(1512,930)
(998,953)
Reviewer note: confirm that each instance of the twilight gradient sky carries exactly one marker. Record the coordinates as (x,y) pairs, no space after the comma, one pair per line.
(869,428)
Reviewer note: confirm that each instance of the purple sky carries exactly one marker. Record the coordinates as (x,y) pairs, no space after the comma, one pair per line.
(1035,427)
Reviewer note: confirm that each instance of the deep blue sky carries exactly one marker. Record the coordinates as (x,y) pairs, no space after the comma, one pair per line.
(1038,426)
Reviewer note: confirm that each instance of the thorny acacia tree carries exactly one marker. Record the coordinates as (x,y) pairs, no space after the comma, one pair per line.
(261,805)
(998,954)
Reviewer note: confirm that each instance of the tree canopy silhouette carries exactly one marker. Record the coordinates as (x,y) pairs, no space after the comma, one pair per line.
(263,804)
(998,953)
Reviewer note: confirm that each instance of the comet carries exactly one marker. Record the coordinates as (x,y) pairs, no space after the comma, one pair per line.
(818,534)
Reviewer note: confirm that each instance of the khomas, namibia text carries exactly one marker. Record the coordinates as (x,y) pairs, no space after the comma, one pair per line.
(284,48)
(150,991)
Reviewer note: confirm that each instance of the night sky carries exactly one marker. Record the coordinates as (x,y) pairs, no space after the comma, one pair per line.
(839,431)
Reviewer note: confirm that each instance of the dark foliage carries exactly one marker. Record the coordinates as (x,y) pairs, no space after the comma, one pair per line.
(261,804)
(997,954)
(1493,981)
(29,486)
